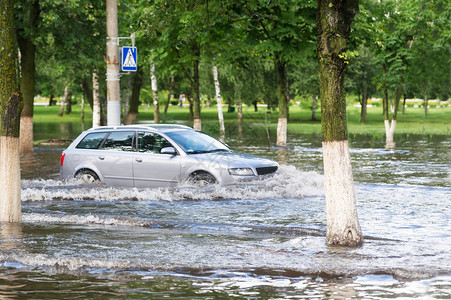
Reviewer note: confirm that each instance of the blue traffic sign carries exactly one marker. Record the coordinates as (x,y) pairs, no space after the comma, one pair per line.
(129,59)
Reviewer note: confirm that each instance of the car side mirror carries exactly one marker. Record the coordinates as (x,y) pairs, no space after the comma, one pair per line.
(168,150)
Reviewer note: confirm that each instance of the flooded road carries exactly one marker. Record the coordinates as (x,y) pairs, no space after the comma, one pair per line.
(264,239)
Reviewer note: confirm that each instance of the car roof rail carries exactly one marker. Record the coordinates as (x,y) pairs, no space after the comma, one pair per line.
(155,127)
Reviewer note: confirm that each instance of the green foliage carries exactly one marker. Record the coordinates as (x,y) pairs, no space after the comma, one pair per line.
(243,39)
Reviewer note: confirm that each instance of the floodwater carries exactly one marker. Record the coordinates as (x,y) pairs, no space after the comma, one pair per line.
(264,239)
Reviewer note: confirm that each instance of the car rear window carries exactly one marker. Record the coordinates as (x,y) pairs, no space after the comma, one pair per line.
(120,141)
(91,140)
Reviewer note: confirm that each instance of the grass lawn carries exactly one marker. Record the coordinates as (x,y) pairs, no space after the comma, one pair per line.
(438,121)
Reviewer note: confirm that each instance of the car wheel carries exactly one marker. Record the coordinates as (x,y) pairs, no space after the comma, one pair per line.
(202,179)
(87,176)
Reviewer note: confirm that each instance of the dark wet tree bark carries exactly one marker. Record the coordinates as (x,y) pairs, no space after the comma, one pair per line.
(68,100)
(87,91)
(28,69)
(11,109)
(364,101)
(137,83)
(334,20)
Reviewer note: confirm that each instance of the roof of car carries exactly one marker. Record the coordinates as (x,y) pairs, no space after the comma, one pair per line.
(152,127)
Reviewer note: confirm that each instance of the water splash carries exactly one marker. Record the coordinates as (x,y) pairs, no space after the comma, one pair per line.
(289,182)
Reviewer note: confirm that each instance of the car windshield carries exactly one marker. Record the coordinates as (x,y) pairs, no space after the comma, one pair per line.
(194,142)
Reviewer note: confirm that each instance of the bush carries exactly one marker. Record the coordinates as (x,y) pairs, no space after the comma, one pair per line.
(174,102)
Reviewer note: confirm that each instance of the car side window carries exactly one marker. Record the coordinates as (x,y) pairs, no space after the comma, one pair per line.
(149,142)
(91,140)
(119,141)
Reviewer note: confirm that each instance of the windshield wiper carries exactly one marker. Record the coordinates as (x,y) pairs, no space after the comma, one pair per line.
(197,151)
(219,150)
(207,151)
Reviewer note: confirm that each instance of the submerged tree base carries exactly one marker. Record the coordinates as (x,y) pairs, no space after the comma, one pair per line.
(10,200)
(342,221)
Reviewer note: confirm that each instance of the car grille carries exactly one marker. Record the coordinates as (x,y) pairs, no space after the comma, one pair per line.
(266,170)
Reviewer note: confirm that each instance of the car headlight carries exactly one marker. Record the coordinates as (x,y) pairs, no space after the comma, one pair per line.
(241,171)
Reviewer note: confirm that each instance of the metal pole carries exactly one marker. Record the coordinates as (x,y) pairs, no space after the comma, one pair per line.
(112,65)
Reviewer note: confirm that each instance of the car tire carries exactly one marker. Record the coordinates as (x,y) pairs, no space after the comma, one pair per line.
(87,176)
(202,179)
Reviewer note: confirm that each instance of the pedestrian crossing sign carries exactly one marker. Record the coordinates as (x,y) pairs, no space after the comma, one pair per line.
(129,59)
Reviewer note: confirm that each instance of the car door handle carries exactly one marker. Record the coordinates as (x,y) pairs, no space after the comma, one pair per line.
(138,159)
(101,157)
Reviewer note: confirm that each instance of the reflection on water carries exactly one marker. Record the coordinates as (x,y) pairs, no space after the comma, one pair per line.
(264,239)
(11,236)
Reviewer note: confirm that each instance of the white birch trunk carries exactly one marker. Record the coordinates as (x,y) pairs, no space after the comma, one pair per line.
(10,199)
(153,78)
(219,103)
(26,135)
(96,114)
(282,132)
(342,221)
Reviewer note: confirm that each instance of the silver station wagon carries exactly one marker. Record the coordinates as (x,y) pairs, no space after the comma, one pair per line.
(157,156)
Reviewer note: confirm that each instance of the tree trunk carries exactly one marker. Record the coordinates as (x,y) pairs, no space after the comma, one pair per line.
(87,91)
(191,106)
(364,100)
(282,100)
(239,106)
(385,94)
(255,106)
(68,101)
(389,129)
(63,102)
(96,107)
(196,95)
(156,104)
(171,87)
(112,64)
(134,100)
(219,103)
(27,87)
(287,93)
(404,105)
(425,103)
(11,109)
(27,74)
(82,115)
(334,19)
(314,107)
(127,96)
